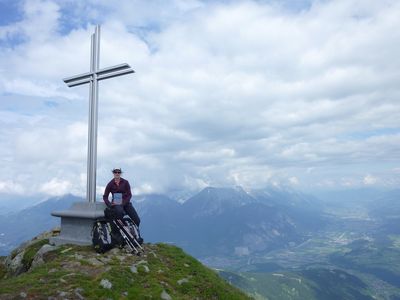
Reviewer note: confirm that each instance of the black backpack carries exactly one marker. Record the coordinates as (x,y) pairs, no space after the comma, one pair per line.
(133,228)
(119,234)
(101,236)
(116,237)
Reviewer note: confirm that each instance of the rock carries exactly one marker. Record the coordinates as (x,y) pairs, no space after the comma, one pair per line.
(164,283)
(105,283)
(78,256)
(95,262)
(71,265)
(146,269)
(186,265)
(120,257)
(78,292)
(79,296)
(38,259)
(165,296)
(13,262)
(23,295)
(183,280)
(15,265)
(127,249)
(52,270)
(133,269)
(114,251)
(104,260)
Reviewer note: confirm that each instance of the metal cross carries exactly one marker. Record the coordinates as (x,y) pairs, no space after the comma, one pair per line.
(93,77)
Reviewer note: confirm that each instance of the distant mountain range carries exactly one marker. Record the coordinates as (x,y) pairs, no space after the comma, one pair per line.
(273,242)
(215,221)
(230,221)
(10,203)
(23,225)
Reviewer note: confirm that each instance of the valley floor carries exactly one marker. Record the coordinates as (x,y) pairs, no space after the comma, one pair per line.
(353,258)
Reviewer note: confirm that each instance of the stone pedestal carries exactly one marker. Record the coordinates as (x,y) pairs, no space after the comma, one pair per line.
(77,223)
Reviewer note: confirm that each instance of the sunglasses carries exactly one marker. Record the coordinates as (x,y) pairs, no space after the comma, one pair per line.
(117,172)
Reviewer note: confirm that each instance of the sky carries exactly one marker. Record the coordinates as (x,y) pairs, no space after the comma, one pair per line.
(303,94)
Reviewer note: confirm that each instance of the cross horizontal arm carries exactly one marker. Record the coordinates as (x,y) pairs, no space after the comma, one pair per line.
(80,82)
(115,74)
(113,69)
(78,78)
(105,73)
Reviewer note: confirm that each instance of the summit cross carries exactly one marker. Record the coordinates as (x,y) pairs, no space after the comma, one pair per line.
(93,77)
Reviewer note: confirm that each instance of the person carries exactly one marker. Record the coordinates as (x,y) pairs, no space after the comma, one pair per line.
(120,185)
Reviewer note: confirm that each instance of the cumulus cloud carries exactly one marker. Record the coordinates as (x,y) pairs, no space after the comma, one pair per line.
(11,187)
(225,93)
(294,181)
(56,187)
(370,180)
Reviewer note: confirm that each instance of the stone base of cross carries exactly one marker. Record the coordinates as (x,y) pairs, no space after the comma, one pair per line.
(77,222)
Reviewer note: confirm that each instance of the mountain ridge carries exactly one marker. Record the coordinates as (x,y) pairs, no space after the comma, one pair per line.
(191,224)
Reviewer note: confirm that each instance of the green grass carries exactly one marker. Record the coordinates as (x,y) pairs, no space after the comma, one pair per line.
(3,270)
(31,251)
(71,271)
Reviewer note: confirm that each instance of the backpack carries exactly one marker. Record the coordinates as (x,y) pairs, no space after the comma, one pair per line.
(130,233)
(116,237)
(111,216)
(124,232)
(101,236)
(133,228)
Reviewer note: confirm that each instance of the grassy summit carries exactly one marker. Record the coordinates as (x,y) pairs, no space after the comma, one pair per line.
(74,272)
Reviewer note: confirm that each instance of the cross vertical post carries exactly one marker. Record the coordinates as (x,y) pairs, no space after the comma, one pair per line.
(93,112)
(93,78)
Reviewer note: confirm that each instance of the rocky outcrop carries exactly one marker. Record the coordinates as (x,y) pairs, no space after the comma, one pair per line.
(29,254)
(38,270)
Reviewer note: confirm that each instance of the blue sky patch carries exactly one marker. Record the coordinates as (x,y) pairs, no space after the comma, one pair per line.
(10,12)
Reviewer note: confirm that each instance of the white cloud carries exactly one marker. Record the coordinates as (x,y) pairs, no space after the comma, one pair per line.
(145,188)
(224,93)
(56,187)
(294,181)
(11,187)
(370,180)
